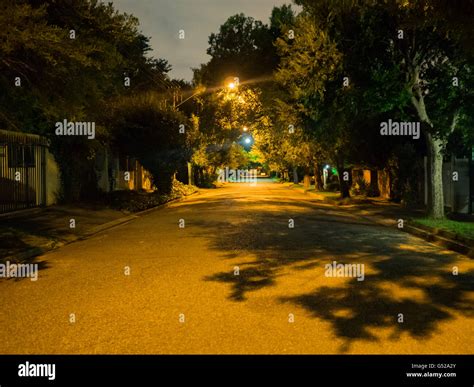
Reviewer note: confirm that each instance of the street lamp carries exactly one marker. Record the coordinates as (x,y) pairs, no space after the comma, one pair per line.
(200,90)
(245,128)
(232,82)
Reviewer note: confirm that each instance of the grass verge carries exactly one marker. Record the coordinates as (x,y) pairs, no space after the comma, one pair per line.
(464,229)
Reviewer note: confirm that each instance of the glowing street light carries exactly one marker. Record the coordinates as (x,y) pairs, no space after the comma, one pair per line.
(248,140)
(245,128)
(232,82)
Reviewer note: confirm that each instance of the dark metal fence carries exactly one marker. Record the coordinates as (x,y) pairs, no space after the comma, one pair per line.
(22,171)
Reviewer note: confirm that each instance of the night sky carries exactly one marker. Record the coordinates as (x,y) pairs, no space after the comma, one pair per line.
(162,19)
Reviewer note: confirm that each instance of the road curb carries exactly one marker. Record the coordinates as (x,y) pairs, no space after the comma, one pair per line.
(441,238)
(444,233)
(430,235)
(35,251)
(443,241)
(427,234)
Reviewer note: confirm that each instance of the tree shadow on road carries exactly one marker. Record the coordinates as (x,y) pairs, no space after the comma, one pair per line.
(356,312)
(404,275)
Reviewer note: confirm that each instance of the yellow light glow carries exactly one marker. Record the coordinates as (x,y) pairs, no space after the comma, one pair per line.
(231,85)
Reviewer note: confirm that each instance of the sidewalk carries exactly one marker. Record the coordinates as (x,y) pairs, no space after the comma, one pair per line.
(33,232)
(28,233)
(375,209)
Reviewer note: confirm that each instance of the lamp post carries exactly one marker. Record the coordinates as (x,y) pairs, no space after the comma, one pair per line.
(199,91)
(230,85)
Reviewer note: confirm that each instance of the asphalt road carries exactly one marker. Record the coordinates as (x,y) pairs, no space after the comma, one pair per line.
(183,294)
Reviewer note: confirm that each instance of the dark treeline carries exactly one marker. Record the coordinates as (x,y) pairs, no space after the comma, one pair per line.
(310,87)
(83,61)
(339,69)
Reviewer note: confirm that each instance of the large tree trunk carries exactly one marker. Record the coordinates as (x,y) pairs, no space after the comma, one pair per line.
(318,180)
(200,174)
(344,185)
(435,189)
(295,175)
(435,149)
(190,173)
(307,180)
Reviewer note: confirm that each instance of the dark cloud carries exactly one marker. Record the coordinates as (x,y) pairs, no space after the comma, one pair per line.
(162,19)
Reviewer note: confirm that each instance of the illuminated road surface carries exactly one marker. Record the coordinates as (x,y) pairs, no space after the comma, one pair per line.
(183,294)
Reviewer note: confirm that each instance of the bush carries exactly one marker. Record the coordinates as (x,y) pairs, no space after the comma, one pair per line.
(360,187)
(142,128)
(135,201)
(182,189)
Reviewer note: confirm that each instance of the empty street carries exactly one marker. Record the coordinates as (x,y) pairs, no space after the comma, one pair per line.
(236,278)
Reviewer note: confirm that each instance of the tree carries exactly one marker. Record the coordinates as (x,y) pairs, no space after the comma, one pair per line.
(142,128)
(242,48)
(401,59)
(433,62)
(311,72)
(70,58)
(222,116)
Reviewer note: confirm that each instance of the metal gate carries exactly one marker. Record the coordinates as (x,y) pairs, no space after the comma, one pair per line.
(22,171)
